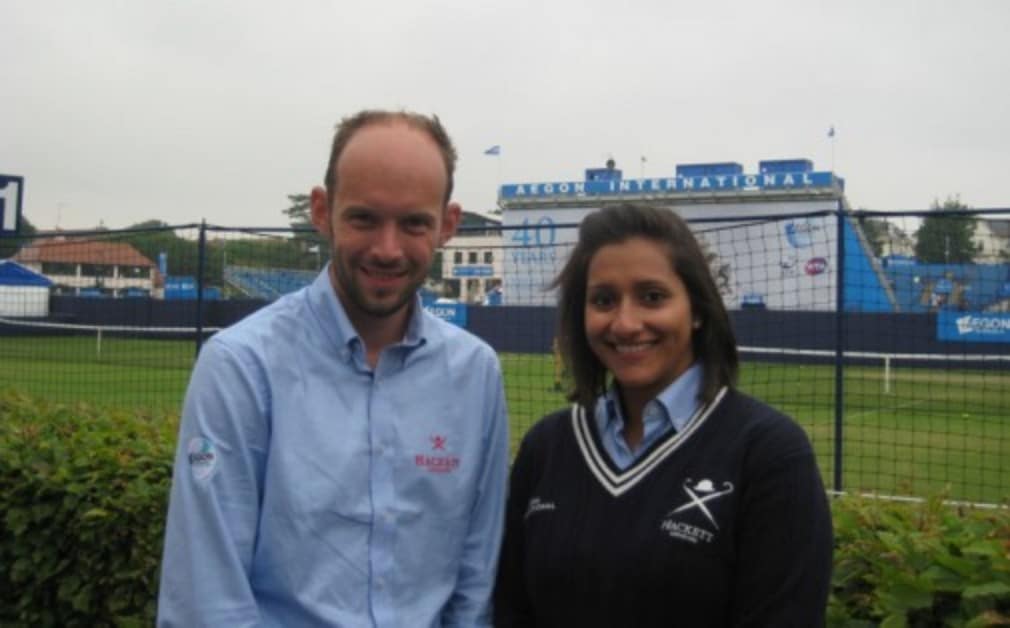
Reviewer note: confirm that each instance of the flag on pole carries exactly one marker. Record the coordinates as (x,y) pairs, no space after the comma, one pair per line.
(494,150)
(831,131)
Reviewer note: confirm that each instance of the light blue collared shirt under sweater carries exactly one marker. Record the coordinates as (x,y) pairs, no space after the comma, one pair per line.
(671,409)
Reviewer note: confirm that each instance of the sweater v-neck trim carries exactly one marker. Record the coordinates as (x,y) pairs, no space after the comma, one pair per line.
(618,482)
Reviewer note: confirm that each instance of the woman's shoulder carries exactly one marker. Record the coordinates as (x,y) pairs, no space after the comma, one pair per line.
(541,439)
(765,425)
(551,426)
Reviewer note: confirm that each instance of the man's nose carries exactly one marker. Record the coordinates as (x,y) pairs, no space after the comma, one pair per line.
(387,245)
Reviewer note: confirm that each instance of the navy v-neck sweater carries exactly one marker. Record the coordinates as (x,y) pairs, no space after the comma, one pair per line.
(725,523)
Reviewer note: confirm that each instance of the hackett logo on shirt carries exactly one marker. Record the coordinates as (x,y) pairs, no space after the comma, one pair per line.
(437,462)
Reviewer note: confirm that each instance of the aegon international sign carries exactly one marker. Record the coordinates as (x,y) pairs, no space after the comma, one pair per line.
(711,183)
(973,326)
(11,191)
(453,312)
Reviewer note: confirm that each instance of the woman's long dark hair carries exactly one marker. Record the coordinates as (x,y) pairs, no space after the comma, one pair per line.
(713,343)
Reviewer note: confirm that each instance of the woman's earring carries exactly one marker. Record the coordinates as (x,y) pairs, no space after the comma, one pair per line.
(696,324)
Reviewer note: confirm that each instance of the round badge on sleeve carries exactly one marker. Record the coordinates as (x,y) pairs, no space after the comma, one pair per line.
(202,457)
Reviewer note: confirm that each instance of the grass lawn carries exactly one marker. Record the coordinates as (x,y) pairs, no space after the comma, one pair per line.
(934,430)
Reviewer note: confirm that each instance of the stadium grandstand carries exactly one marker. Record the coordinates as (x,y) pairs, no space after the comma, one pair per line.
(266,283)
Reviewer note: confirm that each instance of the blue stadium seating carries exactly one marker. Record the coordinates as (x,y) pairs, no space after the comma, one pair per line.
(973,287)
(267,283)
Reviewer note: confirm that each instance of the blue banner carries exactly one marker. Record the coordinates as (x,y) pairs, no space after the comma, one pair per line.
(455,313)
(973,326)
(670,185)
(472,271)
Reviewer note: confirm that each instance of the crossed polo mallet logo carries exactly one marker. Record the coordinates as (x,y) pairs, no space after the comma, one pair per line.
(708,489)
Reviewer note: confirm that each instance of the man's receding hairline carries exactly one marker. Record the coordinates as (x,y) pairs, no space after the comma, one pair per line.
(391,120)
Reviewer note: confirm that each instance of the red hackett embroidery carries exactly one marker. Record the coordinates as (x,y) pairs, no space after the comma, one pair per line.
(437,464)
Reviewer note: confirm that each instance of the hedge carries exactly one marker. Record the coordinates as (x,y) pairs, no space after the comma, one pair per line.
(921,564)
(83,495)
(83,492)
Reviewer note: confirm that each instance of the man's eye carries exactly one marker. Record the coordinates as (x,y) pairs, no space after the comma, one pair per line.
(361,220)
(416,224)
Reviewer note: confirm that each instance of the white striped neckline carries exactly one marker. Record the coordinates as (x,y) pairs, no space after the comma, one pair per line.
(619,483)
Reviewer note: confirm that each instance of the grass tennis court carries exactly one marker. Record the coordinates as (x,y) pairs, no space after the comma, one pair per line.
(935,430)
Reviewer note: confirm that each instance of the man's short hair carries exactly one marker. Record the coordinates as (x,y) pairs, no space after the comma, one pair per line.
(429,125)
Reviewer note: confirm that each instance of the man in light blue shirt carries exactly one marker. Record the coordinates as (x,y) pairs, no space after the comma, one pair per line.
(343,454)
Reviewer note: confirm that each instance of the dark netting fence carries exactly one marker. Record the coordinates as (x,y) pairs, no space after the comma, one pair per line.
(886,335)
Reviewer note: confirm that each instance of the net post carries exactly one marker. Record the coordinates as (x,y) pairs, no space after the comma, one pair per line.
(839,344)
(887,374)
(201,266)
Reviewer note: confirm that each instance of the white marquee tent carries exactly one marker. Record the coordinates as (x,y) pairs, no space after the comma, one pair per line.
(23,292)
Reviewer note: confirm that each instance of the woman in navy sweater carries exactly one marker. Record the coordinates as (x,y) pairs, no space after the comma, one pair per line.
(663,496)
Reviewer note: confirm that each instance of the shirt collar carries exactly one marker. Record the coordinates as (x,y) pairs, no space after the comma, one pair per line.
(338,328)
(677,402)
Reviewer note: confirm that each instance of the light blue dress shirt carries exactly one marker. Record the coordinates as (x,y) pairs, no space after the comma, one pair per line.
(671,409)
(312,490)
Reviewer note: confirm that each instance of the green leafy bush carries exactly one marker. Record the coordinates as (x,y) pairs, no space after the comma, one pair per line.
(920,564)
(82,505)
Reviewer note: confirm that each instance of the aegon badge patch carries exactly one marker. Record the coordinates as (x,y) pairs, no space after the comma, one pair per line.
(202,457)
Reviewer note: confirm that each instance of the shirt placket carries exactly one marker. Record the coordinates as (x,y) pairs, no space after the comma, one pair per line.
(382,479)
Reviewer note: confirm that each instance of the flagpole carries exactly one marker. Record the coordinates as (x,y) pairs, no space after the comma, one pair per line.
(831,138)
(495,151)
(832,152)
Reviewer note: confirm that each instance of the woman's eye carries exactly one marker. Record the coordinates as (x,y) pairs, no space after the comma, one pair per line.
(654,296)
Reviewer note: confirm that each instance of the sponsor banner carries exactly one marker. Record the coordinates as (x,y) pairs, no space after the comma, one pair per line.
(787,264)
(455,313)
(973,326)
(670,185)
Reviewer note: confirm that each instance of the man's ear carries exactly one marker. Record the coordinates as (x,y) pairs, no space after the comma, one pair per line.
(319,205)
(450,220)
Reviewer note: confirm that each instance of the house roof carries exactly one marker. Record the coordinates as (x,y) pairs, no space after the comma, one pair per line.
(78,251)
(999,228)
(14,274)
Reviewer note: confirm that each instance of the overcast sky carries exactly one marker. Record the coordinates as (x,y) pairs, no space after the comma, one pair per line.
(118,112)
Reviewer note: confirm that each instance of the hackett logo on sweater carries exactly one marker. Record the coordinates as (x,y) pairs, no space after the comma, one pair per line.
(441,462)
(699,495)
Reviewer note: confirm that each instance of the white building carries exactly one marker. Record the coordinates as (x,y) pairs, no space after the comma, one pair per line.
(472,261)
(774,231)
(80,266)
(993,240)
